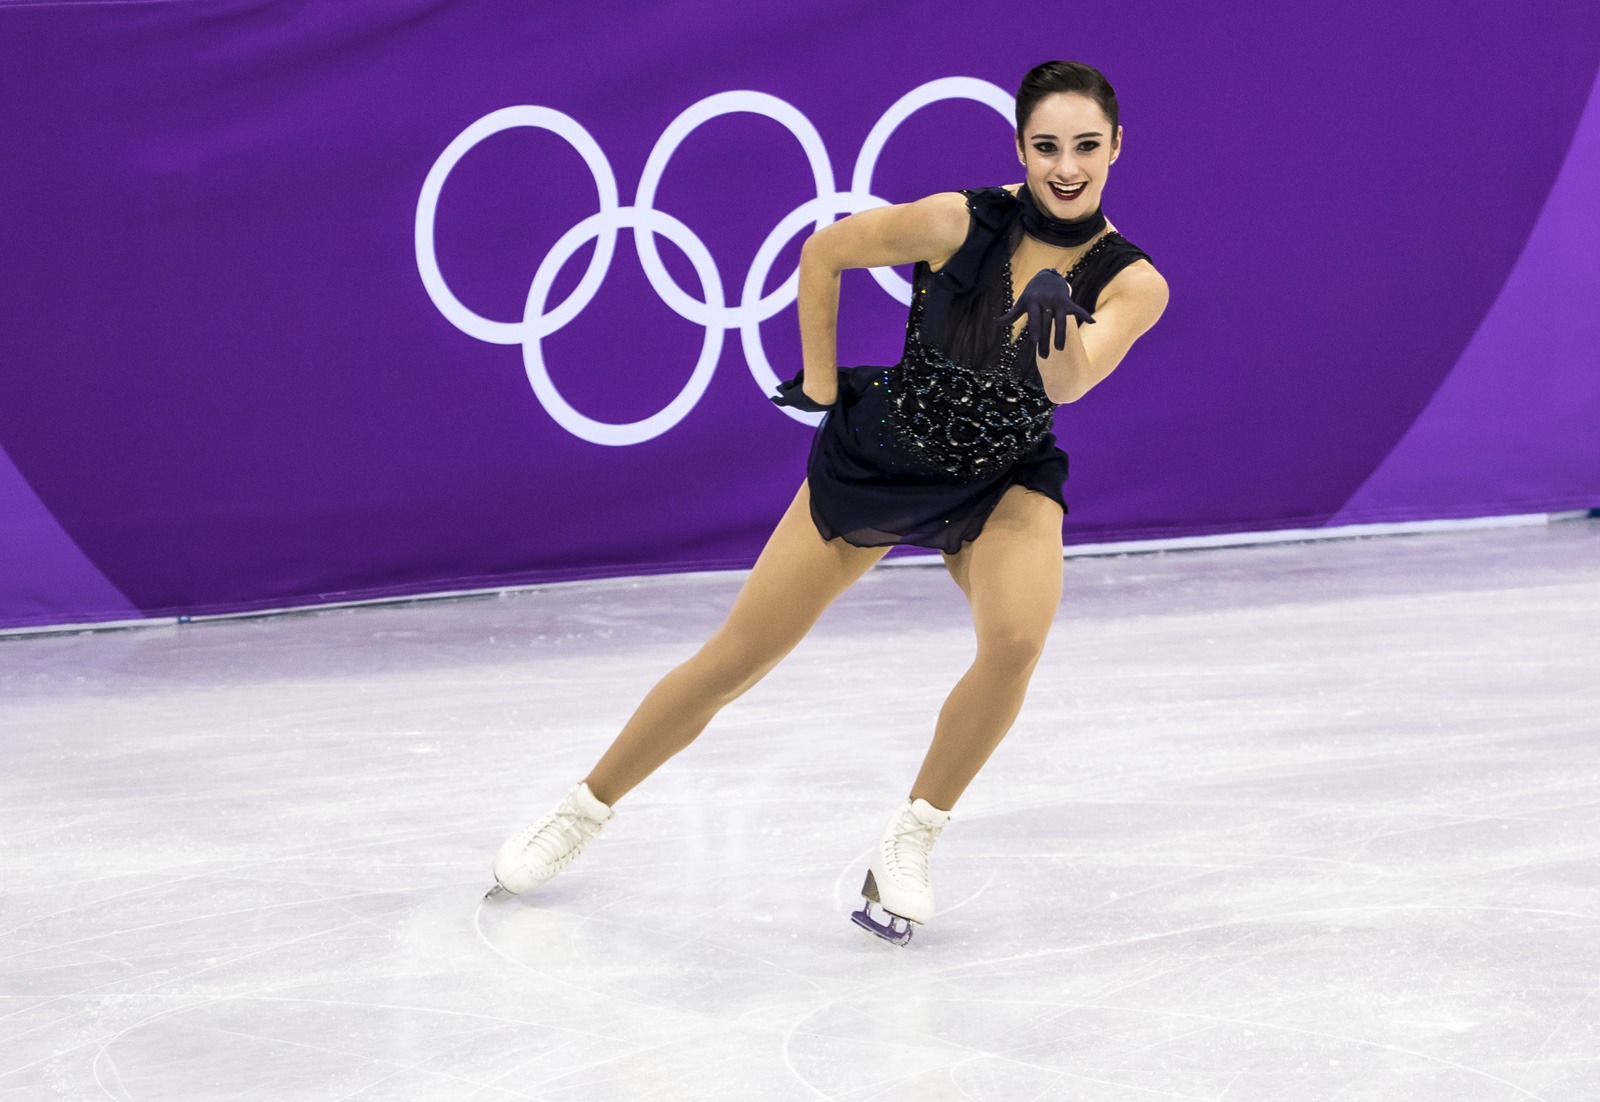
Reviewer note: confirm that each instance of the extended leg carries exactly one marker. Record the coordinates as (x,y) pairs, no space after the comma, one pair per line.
(796,578)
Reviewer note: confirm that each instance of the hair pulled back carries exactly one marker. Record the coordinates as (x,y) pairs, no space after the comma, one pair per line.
(1065,76)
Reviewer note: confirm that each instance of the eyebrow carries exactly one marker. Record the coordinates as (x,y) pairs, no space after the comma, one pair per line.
(1075,137)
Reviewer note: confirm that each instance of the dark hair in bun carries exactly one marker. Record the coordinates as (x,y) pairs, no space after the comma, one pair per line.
(1065,76)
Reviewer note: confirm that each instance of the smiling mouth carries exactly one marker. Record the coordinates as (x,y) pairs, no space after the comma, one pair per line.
(1067,194)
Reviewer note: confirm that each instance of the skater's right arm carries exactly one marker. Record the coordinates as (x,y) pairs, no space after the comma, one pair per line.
(930,229)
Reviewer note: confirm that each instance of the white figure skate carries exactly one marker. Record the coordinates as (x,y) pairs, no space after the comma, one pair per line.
(897,878)
(549,845)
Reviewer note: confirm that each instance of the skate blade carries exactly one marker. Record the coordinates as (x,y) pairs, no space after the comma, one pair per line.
(495,892)
(896,930)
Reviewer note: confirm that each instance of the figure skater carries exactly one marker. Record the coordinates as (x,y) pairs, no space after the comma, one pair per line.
(951,448)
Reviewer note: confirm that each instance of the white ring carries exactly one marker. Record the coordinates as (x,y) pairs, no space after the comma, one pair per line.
(697,114)
(899,111)
(606,223)
(507,118)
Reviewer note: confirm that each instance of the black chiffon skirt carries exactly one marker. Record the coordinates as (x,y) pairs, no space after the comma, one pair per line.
(867,488)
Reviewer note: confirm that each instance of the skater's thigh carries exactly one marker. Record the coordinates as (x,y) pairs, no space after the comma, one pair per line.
(1011,573)
(795,579)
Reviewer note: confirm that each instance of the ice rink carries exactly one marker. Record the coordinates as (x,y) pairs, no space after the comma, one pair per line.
(1305,822)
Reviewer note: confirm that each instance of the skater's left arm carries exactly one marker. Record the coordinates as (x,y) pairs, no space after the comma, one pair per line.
(1131,303)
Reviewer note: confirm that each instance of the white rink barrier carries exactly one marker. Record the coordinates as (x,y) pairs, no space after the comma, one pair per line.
(1082,550)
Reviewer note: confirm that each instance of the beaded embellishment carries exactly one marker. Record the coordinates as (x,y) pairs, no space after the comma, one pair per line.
(966,421)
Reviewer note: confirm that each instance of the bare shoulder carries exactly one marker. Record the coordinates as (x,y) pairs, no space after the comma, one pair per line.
(930,229)
(947,217)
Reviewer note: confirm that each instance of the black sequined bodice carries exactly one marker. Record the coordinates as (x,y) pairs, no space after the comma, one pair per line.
(964,420)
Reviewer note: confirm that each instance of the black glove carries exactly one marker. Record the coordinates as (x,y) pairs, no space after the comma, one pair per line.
(1047,300)
(792,393)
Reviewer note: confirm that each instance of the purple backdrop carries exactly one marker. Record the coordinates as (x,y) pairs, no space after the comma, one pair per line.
(226,385)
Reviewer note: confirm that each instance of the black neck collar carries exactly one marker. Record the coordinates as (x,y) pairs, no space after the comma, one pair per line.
(1052,231)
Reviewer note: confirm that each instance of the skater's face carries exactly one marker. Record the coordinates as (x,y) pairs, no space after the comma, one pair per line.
(1067,147)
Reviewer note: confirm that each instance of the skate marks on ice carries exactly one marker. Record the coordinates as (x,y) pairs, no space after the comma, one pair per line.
(1312,822)
(218,1003)
(1117,1013)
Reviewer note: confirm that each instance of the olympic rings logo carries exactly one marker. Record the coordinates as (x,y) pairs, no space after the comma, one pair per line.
(710,309)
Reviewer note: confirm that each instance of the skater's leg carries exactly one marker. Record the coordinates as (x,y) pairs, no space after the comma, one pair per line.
(794,580)
(1011,575)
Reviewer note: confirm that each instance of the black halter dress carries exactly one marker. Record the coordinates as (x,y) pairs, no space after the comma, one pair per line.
(920,452)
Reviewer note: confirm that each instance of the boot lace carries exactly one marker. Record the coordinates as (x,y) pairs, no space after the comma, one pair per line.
(913,844)
(559,838)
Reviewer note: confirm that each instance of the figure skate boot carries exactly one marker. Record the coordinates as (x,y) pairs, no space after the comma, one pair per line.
(528,859)
(897,877)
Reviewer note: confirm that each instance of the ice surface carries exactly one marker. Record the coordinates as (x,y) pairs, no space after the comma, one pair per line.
(1303,822)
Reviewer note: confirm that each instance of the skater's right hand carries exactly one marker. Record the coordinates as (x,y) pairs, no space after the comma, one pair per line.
(792,393)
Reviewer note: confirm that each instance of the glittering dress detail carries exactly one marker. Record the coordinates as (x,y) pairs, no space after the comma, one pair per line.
(920,452)
(966,420)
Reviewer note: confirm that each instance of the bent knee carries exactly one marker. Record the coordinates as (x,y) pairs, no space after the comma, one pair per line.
(1016,650)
